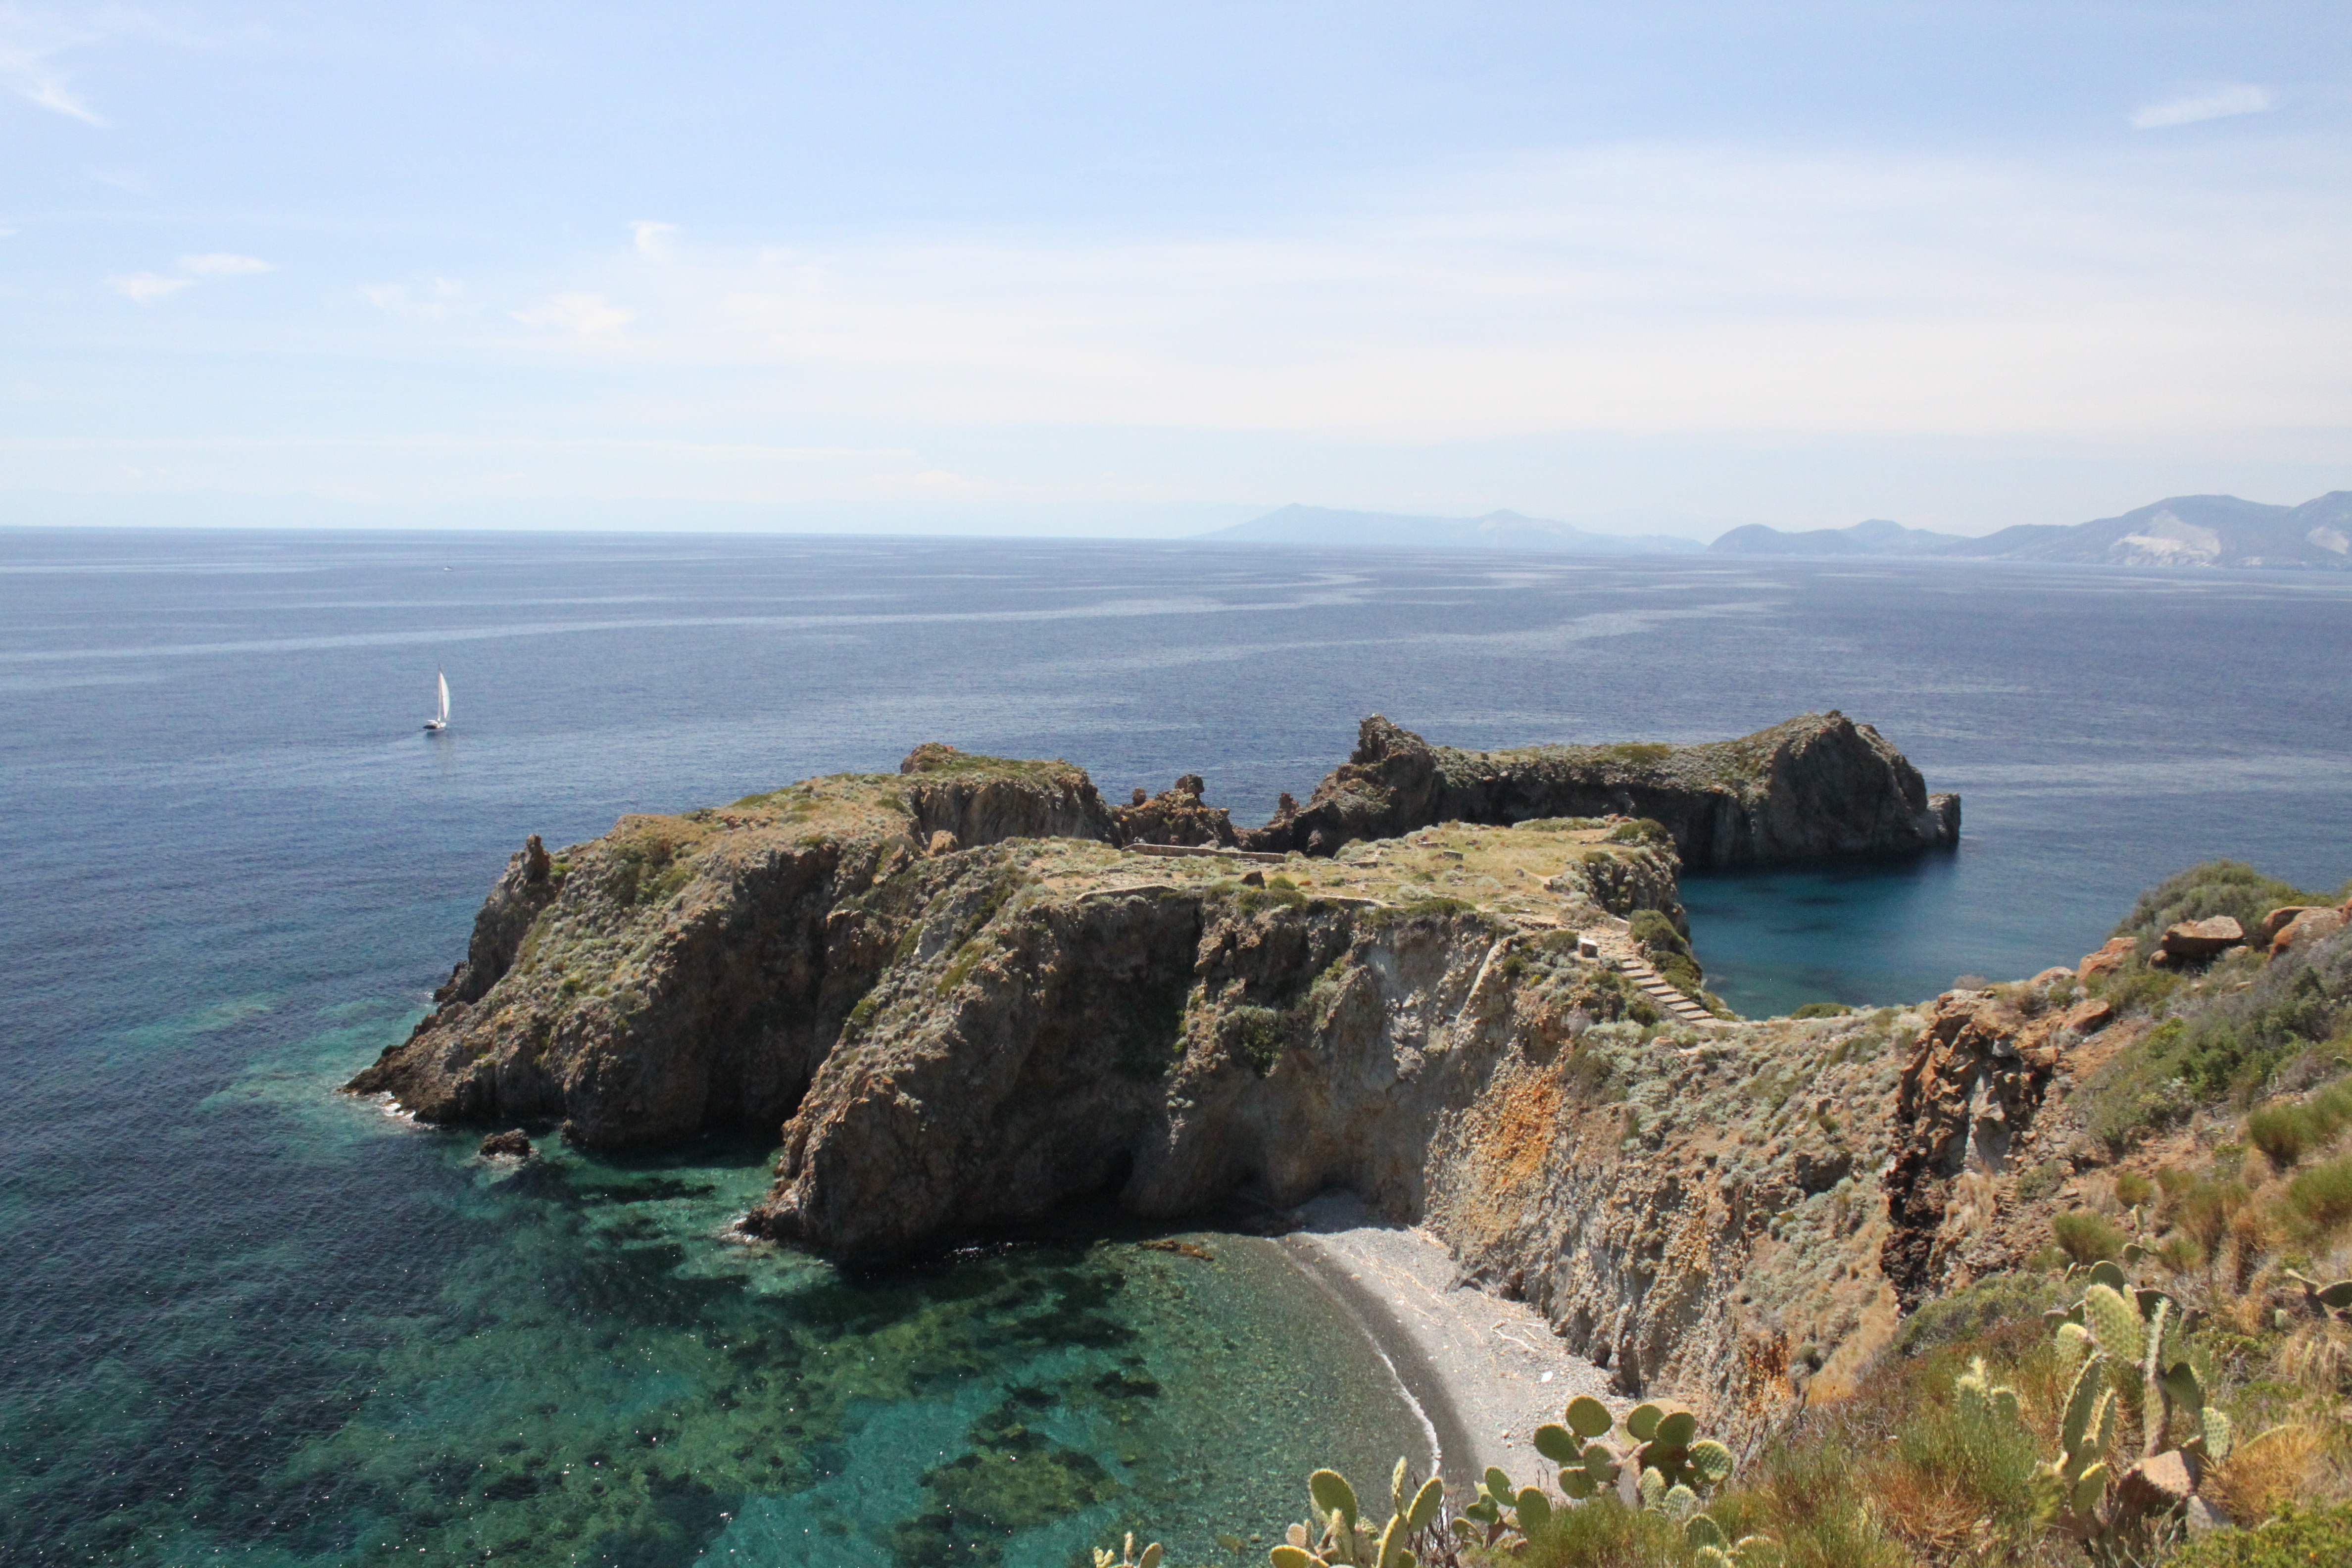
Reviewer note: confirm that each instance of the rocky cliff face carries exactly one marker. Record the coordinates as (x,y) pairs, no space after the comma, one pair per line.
(1815,787)
(687,971)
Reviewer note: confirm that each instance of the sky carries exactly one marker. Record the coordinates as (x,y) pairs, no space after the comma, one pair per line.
(1119,269)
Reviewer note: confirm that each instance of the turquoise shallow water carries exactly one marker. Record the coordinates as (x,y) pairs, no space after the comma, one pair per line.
(243,1320)
(574,1359)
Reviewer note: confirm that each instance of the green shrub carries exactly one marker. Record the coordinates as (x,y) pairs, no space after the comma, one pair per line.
(2208,889)
(1257,1034)
(1680,973)
(1643,830)
(1657,932)
(2287,1132)
(1822,1010)
(1976,1309)
(2136,988)
(2087,1236)
(2319,1200)
(2132,1189)
(2292,1540)
(2036,1181)
(1604,1533)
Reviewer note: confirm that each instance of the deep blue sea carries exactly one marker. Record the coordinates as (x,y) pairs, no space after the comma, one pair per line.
(243,1319)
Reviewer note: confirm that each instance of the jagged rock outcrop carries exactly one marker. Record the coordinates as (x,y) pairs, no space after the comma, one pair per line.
(986,800)
(1974,1085)
(1815,787)
(1175,815)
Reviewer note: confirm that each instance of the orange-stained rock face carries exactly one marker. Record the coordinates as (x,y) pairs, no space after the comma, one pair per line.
(2112,955)
(2089,1015)
(2278,920)
(2308,925)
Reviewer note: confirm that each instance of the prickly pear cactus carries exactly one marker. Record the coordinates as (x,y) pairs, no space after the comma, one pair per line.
(1127,1557)
(1340,1536)
(2113,1339)
(1977,1394)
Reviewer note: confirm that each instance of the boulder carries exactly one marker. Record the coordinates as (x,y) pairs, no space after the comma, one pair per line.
(2193,940)
(512,1144)
(2051,975)
(2308,926)
(2089,1015)
(2266,930)
(2112,955)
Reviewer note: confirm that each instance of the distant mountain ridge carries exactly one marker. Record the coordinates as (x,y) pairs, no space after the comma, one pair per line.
(1395,530)
(2182,531)
(1877,537)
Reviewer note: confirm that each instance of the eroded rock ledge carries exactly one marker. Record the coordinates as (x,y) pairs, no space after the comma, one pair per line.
(965,1001)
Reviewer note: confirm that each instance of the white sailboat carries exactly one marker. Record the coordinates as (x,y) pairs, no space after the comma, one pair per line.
(440,721)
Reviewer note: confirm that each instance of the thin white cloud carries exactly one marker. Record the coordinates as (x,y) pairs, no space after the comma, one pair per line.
(653,238)
(221,264)
(1653,289)
(431,300)
(2231,99)
(583,313)
(28,51)
(146,288)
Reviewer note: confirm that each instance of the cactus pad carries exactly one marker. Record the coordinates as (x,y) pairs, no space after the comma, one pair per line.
(2089,1489)
(1332,1494)
(1588,1417)
(1701,1531)
(1642,1421)
(1676,1431)
(2072,1346)
(2074,1427)
(1710,1461)
(2217,1435)
(2115,1322)
(1558,1444)
(1426,1504)
(1534,1511)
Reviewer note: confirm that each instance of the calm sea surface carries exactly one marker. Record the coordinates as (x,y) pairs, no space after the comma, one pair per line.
(243,1319)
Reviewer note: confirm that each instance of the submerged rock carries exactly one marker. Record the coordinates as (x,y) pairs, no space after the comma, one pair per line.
(513,1143)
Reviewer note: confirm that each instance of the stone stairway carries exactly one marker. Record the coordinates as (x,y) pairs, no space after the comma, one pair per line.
(1630,962)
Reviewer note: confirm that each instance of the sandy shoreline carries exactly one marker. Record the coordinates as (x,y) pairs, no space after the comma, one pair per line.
(1485,1372)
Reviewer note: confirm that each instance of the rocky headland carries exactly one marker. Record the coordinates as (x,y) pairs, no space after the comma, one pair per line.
(971,991)
(1816,787)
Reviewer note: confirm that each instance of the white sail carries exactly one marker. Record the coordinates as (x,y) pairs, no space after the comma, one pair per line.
(443,680)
